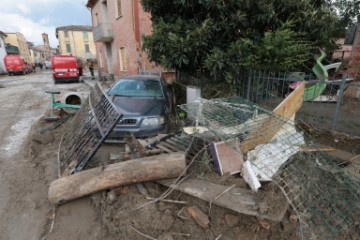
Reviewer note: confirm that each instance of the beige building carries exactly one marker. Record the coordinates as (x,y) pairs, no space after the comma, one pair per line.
(18,40)
(77,41)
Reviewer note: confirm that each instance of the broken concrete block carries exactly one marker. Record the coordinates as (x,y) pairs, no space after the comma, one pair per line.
(200,217)
(227,156)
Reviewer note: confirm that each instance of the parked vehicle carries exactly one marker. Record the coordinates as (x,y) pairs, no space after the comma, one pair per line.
(65,68)
(15,64)
(29,68)
(47,64)
(145,103)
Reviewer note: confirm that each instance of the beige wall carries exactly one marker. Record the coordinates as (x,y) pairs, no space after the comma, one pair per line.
(18,40)
(77,44)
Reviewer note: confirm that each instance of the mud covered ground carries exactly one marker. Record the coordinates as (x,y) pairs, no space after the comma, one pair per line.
(127,213)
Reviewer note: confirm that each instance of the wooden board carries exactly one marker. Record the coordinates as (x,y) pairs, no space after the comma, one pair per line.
(237,199)
(271,125)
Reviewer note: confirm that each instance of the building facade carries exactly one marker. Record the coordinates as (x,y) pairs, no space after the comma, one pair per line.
(18,40)
(77,41)
(2,52)
(118,27)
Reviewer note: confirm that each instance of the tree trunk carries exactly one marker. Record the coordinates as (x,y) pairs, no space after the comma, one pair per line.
(98,179)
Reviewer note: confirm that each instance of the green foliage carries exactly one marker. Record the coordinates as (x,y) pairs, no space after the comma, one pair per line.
(219,37)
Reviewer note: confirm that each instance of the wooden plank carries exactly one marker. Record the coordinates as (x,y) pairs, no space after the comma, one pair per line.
(168,145)
(271,125)
(237,199)
(133,171)
(164,148)
(181,146)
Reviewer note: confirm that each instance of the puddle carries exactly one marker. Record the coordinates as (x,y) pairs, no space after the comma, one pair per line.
(17,135)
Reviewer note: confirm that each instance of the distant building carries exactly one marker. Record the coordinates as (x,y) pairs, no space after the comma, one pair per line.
(18,40)
(46,44)
(77,41)
(2,52)
(118,27)
(38,53)
(354,65)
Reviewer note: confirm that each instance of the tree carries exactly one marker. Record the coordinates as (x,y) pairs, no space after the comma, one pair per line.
(219,37)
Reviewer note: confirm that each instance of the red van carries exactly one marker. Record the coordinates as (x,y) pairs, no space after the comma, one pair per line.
(65,68)
(15,64)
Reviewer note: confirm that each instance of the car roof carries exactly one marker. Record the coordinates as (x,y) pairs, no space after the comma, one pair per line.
(141,77)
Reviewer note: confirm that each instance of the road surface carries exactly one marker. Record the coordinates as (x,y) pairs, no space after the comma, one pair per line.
(24,209)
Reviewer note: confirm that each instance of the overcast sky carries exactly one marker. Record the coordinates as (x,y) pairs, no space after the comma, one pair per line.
(33,17)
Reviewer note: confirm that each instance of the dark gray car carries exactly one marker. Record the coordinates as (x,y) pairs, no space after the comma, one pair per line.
(145,102)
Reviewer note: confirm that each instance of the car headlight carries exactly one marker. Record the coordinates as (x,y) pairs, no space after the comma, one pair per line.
(153,121)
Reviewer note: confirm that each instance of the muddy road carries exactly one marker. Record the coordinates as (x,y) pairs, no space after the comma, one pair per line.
(24,209)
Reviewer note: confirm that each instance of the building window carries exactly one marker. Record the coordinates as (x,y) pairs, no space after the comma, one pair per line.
(68,48)
(96,19)
(66,34)
(122,56)
(118,8)
(86,36)
(87,49)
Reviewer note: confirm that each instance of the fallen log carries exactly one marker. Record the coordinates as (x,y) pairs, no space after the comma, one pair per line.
(98,179)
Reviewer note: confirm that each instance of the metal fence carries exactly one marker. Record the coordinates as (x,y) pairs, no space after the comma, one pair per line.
(332,105)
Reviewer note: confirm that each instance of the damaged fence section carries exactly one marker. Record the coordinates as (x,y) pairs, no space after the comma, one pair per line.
(320,191)
(87,131)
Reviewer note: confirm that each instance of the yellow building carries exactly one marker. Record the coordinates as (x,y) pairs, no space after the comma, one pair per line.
(18,40)
(77,41)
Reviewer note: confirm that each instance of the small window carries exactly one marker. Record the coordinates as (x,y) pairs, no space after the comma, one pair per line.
(87,49)
(66,34)
(122,56)
(68,48)
(118,8)
(96,19)
(85,36)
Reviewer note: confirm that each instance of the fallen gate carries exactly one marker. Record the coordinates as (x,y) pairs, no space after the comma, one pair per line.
(87,131)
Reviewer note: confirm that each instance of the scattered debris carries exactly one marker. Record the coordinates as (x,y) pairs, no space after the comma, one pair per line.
(200,217)
(231,219)
(111,197)
(293,218)
(264,223)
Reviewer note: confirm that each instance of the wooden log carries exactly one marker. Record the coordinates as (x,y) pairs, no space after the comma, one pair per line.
(98,179)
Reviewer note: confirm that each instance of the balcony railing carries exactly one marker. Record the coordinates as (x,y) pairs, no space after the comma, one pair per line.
(103,33)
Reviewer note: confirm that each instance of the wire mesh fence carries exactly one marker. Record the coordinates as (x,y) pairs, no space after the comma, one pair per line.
(320,191)
(328,105)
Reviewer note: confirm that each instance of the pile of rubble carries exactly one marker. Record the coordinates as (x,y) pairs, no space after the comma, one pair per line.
(281,165)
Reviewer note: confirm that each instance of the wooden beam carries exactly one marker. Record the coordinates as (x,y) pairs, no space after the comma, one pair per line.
(237,199)
(271,125)
(133,171)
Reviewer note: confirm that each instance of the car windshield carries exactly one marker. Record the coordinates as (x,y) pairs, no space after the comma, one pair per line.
(137,88)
